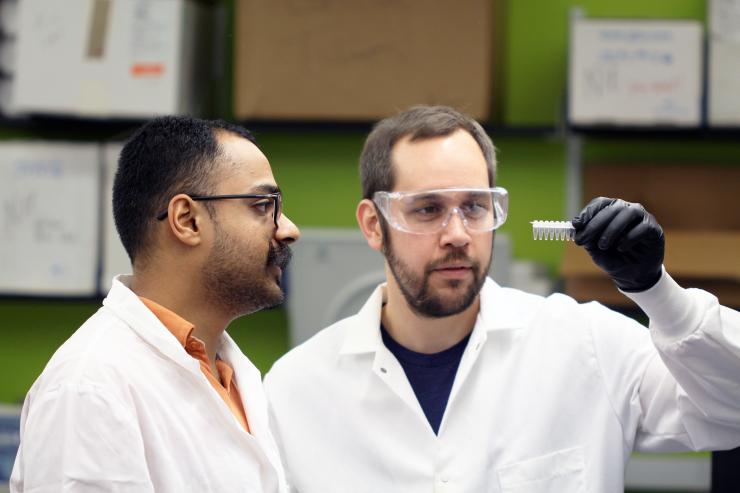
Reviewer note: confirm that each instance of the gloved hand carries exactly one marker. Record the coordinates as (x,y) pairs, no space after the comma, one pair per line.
(624,240)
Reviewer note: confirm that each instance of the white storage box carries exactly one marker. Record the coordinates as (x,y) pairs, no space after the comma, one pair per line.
(113,58)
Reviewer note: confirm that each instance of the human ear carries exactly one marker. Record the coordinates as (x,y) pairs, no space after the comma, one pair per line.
(367,218)
(184,219)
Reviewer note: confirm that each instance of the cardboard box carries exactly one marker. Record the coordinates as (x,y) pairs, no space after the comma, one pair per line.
(113,58)
(360,60)
(701,259)
(695,206)
(681,196)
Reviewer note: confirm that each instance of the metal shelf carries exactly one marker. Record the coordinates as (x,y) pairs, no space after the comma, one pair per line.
(654,132)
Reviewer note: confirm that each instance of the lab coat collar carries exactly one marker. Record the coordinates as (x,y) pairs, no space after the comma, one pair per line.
(248,378)
(497,312)
(363,335)
(129,308)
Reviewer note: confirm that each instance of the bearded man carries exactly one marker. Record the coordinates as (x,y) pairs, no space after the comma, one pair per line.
(447,382)
(151,394)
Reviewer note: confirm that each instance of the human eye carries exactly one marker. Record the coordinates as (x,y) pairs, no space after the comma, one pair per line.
(476,207)
(264,206)
(425,211)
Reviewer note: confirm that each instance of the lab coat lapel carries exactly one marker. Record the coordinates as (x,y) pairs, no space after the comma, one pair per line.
(477,339)
(496,316)
(387,368)
(129,308)
(249,381)
(364,337)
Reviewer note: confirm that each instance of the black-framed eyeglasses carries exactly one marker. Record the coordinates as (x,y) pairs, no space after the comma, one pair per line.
(277,202)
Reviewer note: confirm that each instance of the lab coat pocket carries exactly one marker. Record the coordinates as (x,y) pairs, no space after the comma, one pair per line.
(557,472)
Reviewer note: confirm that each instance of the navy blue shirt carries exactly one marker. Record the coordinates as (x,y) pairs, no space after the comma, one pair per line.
(430,375)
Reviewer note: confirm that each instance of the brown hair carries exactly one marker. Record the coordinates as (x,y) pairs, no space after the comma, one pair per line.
(419,122)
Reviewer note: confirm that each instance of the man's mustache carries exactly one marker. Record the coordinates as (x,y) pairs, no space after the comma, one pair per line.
(279,254)
(453,256)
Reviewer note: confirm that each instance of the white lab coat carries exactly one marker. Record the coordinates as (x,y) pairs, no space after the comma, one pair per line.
(122,407)
(550,396)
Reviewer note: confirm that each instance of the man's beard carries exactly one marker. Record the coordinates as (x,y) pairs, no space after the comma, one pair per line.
(417,291)
(237,283)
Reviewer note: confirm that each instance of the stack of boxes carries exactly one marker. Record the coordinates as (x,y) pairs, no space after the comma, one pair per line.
(695,205)
(694,202)
(294,60)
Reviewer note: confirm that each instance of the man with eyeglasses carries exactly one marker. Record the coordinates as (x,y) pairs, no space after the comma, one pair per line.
(151,394)
(447,382)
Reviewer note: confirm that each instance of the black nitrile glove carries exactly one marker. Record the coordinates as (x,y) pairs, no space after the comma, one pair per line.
(624,240)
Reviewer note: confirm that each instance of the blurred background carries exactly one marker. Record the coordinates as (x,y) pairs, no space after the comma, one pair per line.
(632,98)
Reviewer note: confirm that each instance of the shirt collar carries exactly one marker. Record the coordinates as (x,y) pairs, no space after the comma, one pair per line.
(498,311)
(178,326)
(363,335)
(132,310)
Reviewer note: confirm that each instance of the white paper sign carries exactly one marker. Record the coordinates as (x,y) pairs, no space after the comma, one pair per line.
(724,84)
(115,259)
(635,72)
(724,20)
(49,211)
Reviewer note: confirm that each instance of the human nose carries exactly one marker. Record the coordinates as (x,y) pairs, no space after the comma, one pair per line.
(454,230)
(286,231)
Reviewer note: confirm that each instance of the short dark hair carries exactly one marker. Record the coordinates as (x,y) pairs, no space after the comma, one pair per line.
(166,156)
(419,122)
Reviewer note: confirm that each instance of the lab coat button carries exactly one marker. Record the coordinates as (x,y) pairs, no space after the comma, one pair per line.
(444,485)
(384,370)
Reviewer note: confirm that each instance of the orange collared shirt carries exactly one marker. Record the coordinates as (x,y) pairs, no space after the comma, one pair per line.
(224,384)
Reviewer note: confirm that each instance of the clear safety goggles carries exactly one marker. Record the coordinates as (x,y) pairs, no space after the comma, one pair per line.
(430,211)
